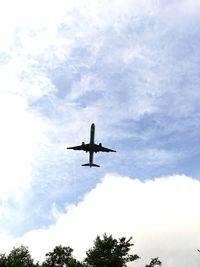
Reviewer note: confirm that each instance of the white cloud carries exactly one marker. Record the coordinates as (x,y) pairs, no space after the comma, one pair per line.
(19,137)
(161,215)
(127,58)
(115,49)
(120,40)
(31,16)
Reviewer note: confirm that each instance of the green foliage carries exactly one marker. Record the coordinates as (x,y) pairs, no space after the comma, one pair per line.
(106,252)
(3,260)
(19,257)
(61,257)
(110,252)
(154,262)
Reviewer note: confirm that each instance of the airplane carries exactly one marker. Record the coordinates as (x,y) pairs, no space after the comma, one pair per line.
(91,148)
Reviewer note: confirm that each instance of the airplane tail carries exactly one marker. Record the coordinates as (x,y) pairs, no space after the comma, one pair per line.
(93,165)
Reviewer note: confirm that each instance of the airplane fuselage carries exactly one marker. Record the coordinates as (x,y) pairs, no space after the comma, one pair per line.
(91,151)
(92,136)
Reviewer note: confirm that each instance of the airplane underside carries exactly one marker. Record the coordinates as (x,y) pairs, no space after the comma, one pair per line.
(92,148)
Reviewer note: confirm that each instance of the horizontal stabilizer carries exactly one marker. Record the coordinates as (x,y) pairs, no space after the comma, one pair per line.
(93,165)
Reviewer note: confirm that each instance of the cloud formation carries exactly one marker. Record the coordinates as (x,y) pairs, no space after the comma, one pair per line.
(132,68)
(161,215)
(129,68)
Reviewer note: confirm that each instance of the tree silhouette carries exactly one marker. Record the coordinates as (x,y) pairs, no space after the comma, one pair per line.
(110,252)
(18,257)
(154,262)
(3,260)
(61,257)
(106,252)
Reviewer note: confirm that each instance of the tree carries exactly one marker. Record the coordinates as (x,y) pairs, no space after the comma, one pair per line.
(154,262)
(3,260)
(110,252)
(19,257)
(61,257)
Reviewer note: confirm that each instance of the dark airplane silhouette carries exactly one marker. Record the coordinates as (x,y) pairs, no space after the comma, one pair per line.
(91,148)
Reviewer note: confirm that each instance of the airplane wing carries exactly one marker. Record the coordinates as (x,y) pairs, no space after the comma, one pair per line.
(84,147)
(100,148)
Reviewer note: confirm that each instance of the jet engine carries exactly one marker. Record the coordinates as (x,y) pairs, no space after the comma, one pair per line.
(100,144)
(83,144)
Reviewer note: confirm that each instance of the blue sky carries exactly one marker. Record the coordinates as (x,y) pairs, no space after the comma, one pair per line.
(132,68)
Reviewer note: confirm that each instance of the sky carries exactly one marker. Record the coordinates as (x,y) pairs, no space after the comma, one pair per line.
(132,67)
